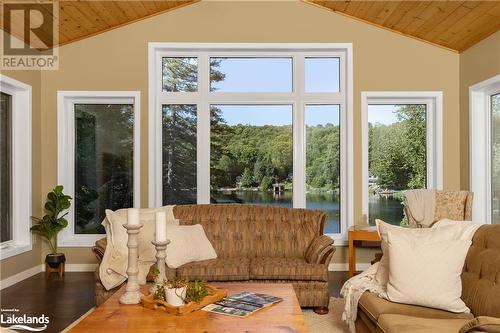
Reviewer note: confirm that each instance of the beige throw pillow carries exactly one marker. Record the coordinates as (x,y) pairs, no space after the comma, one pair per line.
(426,273)
(187,244)
(113,268)
(463,230)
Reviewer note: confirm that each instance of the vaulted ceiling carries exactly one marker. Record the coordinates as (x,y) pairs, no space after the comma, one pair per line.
(455,25)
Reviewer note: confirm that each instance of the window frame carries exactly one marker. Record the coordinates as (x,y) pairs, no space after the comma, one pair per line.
(21,167)
(480,147)
(66,151)
(203,98)
(434,126)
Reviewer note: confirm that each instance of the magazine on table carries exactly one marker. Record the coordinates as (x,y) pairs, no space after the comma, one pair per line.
(242,304)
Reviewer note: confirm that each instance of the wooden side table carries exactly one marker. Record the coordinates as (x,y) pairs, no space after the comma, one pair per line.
(357,234)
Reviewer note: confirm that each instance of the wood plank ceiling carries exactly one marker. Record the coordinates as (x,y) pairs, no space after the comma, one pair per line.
(81,19)
(455,25)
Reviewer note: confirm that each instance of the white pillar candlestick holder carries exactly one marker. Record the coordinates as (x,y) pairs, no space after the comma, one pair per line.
(161,254)
(132,290)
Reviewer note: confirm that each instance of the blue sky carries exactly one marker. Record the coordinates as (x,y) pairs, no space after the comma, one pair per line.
(275,75)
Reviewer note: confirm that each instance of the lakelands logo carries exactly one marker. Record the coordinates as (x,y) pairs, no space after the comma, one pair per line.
(30,31)
(12,319)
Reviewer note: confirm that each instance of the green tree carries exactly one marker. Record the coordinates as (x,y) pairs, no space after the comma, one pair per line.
(246,179)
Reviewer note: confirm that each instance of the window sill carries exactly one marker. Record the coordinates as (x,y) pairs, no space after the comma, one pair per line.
(13,250)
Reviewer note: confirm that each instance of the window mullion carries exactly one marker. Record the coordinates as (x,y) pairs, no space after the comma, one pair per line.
(299,140)
(203,131)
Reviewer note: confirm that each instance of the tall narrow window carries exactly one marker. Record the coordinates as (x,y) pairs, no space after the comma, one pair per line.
(252,154)
(179,154)
(15,167)
(495,158)
(397,157)
(5,167)
(99,158)
(323,162)
(104,146)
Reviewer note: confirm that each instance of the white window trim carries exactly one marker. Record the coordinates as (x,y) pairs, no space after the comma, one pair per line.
(480,146)
(298,51)
(66,155)
(434,102)
(21,167)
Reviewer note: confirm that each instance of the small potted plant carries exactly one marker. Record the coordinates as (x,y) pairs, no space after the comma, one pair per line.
(175,291)
(196,291)
(52,223)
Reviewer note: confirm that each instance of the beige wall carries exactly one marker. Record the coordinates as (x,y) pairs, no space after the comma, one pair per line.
(478,63)
(27,260)
(117,60)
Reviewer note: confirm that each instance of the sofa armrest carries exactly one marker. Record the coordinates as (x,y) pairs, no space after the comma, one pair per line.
(99,248)
(320,250)
(482,324)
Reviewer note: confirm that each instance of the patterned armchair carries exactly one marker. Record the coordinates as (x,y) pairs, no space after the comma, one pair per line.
(453,205)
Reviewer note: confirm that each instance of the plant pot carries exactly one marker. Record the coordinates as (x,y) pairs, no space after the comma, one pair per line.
(175,296)
(55,259)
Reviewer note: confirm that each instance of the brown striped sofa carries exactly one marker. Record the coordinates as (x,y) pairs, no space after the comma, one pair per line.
(256,243)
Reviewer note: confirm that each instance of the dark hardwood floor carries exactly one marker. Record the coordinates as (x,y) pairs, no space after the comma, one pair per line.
(65,300)
(62,300)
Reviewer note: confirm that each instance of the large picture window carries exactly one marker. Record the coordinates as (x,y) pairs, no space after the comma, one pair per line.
(485,150)
(98,159)
(253,124)
(401,141)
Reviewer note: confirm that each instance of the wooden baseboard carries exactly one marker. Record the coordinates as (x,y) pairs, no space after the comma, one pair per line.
(13,279)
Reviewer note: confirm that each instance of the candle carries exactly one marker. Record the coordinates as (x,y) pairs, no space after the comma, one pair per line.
(133,216)
(161,227)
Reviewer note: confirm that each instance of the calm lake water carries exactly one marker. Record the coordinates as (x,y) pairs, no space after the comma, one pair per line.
(386,208)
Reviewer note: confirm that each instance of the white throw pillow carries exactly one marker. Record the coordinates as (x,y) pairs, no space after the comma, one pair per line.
(461,230)
(424,271)
(113,268)
(188,243)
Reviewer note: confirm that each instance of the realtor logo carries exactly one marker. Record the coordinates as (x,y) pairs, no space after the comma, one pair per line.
(12,319)
(30,32)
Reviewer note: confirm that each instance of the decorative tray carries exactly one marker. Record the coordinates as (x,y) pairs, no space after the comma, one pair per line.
(213,296)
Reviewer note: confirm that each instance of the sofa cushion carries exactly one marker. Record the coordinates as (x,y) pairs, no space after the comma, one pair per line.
(375,306)
(394,323)
(287,269)
(220,269)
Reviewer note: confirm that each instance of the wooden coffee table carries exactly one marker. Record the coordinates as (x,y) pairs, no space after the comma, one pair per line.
(285,316)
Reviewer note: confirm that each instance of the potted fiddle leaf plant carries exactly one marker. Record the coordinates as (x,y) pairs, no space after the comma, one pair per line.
(52,223)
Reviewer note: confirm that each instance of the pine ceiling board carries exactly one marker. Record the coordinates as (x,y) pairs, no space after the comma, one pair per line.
(447,23)
(363,9)
(389,8)
(101,10)
(478,11)
(352,7)
(377,8)
(70,10)
(71,28)
(445,9)
(410,16)
(474,26)
(150,6)
(127,9)
(84,7)
(112,9)
(420,18)
(400,12)
(488,25)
